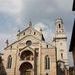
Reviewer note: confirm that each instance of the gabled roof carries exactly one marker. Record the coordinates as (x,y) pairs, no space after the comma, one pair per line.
(27,29)
(72,43)
(30,27)
(20,40)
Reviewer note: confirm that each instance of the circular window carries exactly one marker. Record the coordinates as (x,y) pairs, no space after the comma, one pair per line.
(28,43)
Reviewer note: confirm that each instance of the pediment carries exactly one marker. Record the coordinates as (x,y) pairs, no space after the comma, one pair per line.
(28,40)
(22,41)
(29,31)
(29,37)
(26,48)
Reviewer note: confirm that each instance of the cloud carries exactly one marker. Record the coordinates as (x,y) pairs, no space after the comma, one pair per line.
(47,30)
(64,5)
(42,26)
(11,6)
(39,26)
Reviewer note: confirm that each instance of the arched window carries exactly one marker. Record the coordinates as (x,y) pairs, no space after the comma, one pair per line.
(62,55)
(59,26)
(27,55)
(9,62)
(47,62)
(34,33)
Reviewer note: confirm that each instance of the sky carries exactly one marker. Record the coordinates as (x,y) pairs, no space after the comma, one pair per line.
(16,14)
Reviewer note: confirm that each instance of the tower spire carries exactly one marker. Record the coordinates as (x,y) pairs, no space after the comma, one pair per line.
(59,25)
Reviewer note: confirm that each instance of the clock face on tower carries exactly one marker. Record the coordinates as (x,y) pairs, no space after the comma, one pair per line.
(28,43)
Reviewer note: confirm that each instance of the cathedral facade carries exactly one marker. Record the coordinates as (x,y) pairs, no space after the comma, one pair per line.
(31,55)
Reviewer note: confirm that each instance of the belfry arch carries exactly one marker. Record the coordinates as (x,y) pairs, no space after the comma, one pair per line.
(26,55)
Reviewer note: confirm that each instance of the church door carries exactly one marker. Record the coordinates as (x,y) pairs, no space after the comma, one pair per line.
(26,69)
(25,73)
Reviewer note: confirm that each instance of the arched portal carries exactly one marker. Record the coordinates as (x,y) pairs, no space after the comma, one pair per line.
(26,55)
(26,68)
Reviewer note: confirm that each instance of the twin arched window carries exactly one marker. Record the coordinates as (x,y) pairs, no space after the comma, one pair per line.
(9,62)
(47,62)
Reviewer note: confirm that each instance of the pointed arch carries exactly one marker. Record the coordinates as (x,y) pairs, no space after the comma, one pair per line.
(9,62)
(26,55)
(47,62)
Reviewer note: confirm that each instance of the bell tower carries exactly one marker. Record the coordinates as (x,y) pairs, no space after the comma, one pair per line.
(59,26)
(60,40)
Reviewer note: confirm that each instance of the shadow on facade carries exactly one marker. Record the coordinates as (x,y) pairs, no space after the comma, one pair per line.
(2,69)
(60,68)
(71,70)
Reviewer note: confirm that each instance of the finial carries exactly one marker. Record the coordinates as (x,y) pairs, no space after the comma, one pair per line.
(42,37)
(30,24)
(59,19)
(19,31)
(7,43)
(41,29)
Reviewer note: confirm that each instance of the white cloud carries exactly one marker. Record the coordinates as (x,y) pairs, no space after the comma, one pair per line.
(42,26)
(11,6)
(64,5)
(46,30)
(39,26)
